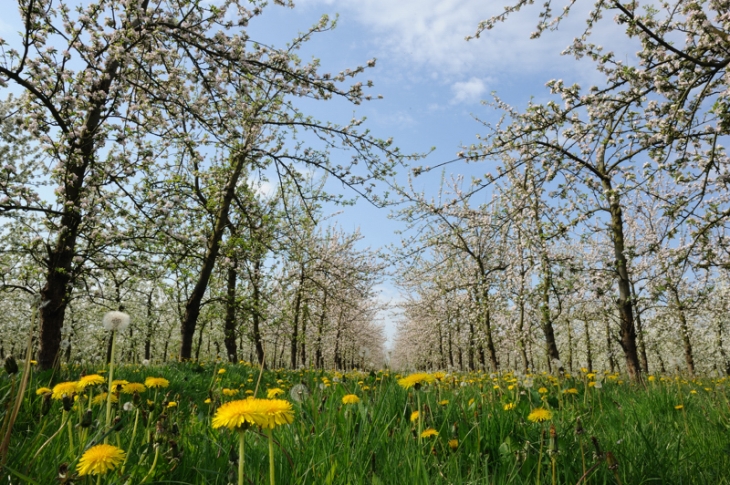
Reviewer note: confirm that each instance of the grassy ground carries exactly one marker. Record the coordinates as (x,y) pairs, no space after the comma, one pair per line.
(485,431)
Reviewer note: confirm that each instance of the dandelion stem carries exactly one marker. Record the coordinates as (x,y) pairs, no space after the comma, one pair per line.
(539,458)
(109,387)
(154,464)
(241,457)
(131,441)
(272,480)
(582,456)
(70,435)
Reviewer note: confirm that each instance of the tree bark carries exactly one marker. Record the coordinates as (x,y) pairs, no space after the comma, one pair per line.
(684,331)
(295,319)
(640,334)
(229,327)
(624,301)
(192,306)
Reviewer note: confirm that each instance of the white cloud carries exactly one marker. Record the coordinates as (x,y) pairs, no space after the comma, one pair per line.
(430,34)
(468,91)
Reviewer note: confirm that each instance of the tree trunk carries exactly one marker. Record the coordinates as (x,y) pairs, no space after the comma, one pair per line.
(589,350)
(609,347)
(488,327)
(150,327)
(640,334)
(200,342)
(303,336)
(684,331)
(470,352)
(546,322)
(318,360)
(229,326)
(256,316)
(192,306)
(295,319)
(570,347)
(721,347)
(624,301)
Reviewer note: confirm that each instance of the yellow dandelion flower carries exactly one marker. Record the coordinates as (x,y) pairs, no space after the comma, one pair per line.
(542,390)
(236,414)
(207,401)
(230,392)
(439,376)
(679,406)
(276,412)
(591,384)
(445,402)
(90,380)
(651,378)
(414,415)
(42,390)
(116,383)
(101,399)
(153,382)
(509,406)
(416,380)
(572,390)
(100,459)
(453,444)
(350,399)
(67,388)
(429,432)
(693,391)
(272,393)
(221,371)
(539,415)
(172,404)
(132,387)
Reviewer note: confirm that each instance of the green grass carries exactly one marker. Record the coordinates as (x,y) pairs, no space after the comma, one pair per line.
(376,442)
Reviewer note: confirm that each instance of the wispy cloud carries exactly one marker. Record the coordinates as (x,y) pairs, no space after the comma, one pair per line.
(430,34)
(468,91)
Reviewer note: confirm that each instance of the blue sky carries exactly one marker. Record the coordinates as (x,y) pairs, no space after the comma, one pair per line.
(432,80)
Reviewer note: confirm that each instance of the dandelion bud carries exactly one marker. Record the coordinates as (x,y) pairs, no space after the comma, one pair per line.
(136,398)
(611,461)
(233,456)
(86,419)
(115,321)
(46,403)
(599,453)
(62,471)
(553,444)
(117,423)
(67,401)
(11,366)
(579,427)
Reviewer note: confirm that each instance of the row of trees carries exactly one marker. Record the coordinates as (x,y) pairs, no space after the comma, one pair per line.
(131,155)
(608,215)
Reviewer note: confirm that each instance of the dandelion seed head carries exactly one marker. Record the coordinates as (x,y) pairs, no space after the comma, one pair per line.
(115,321)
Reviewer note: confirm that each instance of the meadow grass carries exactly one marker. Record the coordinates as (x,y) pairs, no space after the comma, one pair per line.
(478,429)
